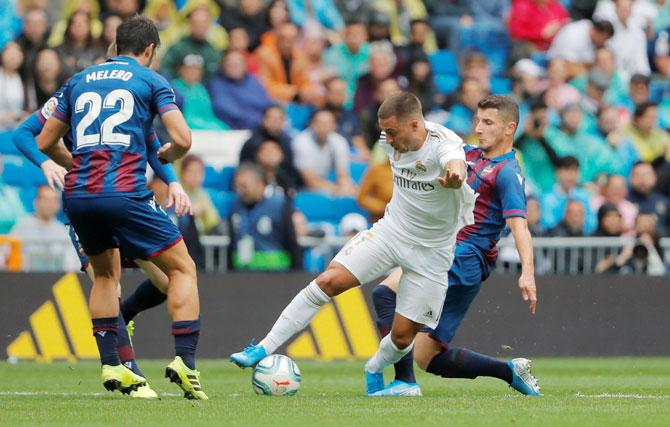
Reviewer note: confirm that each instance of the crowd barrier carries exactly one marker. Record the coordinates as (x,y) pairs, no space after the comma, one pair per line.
(44,317)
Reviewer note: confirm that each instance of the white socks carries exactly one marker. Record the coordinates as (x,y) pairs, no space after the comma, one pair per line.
(388,354)
(295,317)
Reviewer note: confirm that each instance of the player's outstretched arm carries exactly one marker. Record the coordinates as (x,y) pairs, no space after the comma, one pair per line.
(524,244)
(454,174)
(179,132)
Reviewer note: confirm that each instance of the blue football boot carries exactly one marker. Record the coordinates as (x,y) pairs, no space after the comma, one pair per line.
(250,356)
(399,388)
(522,380)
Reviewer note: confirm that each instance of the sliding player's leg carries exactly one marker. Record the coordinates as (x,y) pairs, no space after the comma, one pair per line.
(365,257)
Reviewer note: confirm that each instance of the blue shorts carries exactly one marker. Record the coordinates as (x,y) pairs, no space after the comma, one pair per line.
(465,278)
(138,226)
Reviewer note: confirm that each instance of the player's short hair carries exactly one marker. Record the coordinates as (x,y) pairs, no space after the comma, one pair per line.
(505,104)
(135,35)
(400,105)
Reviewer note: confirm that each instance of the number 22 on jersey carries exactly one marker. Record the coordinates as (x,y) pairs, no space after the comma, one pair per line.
(95,105)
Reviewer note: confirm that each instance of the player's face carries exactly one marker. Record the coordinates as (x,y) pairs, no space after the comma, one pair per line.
(491,129)
(400,134)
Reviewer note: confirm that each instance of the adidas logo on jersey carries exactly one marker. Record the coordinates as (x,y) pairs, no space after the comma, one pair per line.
(428,314)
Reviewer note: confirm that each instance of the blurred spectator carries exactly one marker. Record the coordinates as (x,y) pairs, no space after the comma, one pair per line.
(573,222)
(561,93)
(614,192)
(270,157)
(659,58)
(48,78)
(261,228)
(594,96)
(610,130)
(350,57)
(238,98)
(594,156)
(11,208)
(192,174)
(417,47)
(582,9)
(353,9)
(401,13)
(610,223)
(109,26)
(168,21)
(185,223)
(124,8)
(379,27)
(369,122)
(33,39)
(461,113)
(606,65)
(70,8)
(651,142)
(641,13)
(323,12)
(629,42)
(238,41)
(577,43)
(352,224)
(476,66)
(313,44)
(376,189)
(319,151)
(554,203)
(284,69)
(643,196)
(46,243)
(534,217)
(638,92)
(348,124)
(539,156)
(526,76)
(12,99)
(446,18)
(196,42)
(382,63)
(271,128)
(79,49)
(250,16)
(276,15)
(642,256)
(421,83)
(197,108)
(533,24)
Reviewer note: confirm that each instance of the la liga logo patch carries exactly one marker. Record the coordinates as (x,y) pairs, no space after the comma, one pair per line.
(49,107)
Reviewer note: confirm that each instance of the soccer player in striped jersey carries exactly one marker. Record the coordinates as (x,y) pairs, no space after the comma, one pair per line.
(494,174)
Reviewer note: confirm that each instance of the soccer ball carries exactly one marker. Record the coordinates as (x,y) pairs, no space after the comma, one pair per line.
(276,375)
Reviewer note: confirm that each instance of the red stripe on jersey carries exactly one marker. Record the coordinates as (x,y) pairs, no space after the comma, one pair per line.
(98,164)
(515,212)
(61,117)
(71,177)
(126,174)
(164,109)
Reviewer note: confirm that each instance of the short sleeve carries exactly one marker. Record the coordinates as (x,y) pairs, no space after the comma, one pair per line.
(510,185)
(341,152)
(450,149)
(59,105)
(163,97)
(301,152)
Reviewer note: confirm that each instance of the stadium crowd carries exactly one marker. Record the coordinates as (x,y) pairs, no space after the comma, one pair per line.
(306,77)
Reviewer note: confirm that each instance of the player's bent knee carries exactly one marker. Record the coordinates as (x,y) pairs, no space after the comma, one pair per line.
(402,339)
(425,349)
(335,280)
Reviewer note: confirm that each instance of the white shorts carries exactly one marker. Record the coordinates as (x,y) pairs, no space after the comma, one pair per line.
(423,285)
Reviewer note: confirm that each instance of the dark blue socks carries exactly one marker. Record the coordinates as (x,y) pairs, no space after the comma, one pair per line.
(384,300)
(463,363)
(105,333)
(146,296)
(186,334)
(125,348)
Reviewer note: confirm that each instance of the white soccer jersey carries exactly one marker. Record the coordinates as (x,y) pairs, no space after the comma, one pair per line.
(421,209)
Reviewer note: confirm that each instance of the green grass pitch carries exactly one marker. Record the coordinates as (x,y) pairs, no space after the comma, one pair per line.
(577,392)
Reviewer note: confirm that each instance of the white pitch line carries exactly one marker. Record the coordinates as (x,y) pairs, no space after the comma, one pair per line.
(621,396)
(67,394)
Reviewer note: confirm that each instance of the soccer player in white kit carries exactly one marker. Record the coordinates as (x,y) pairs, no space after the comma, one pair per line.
(429,206)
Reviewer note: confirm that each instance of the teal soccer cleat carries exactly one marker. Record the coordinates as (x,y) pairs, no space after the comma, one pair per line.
(374,383)
(250,356)
(399,388)
(522,380)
